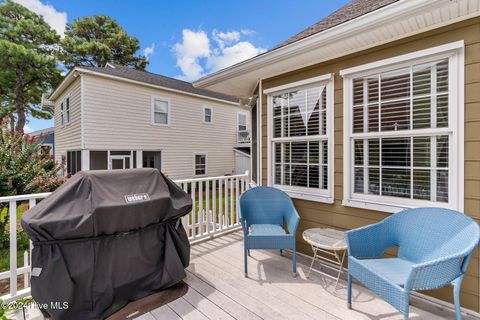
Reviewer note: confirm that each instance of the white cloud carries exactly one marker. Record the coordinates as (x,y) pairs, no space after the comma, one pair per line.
(148,51)
(197,55)
(194,45)
(236,53)
(56,20)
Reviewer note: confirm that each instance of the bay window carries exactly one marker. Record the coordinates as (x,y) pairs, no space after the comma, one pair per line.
(401,129)
(301,138)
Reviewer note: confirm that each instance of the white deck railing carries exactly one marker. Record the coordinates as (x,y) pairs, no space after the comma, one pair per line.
(214,212)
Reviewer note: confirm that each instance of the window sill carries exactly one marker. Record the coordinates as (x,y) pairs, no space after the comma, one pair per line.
(390,207)
(310,196)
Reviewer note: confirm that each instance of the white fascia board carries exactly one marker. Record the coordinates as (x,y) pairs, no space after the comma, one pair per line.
(298,84)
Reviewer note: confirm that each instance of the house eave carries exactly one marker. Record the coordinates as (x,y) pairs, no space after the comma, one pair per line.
(396,21)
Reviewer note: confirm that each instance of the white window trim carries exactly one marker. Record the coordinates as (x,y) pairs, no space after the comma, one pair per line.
(62,114)
(246,119)
(152,111)
(455,52)
(326,196)
(211,114)
(195,154)
(69,109)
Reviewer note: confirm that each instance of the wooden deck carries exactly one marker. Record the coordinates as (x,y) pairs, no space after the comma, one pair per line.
(217,289)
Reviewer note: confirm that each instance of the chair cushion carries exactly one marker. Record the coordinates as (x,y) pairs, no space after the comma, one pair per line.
(266,230)
(395,270)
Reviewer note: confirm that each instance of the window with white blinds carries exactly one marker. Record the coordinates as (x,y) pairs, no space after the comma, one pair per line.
(401,134)
(300,142)
(160,111)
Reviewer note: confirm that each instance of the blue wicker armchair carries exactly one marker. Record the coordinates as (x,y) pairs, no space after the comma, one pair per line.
(269,221)
(434,248)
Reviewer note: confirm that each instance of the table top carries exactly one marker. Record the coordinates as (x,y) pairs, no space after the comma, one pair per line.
(325,238)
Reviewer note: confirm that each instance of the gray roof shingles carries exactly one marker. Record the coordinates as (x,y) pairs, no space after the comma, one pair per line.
(350,11)
(158,80)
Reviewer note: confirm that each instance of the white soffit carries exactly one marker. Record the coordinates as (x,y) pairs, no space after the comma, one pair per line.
(396,21)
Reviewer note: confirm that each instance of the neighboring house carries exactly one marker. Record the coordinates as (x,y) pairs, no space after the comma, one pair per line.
(374,109)
(46,138)
(116,117)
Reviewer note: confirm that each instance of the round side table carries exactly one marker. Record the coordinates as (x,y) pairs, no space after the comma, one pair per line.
(332,243)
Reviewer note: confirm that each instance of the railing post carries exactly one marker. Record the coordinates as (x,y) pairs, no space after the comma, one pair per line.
(207,207)
(13,247)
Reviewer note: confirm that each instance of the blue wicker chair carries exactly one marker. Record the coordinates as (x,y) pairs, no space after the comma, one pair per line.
(269,221)
(434,248)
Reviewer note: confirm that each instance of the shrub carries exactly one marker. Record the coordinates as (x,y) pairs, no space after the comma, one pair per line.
(24,166)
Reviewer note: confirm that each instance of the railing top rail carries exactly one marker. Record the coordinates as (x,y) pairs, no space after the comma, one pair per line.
(46,194)
(25,197)
(212,178)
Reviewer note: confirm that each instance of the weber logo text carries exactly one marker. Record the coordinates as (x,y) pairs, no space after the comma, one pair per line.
(137,197)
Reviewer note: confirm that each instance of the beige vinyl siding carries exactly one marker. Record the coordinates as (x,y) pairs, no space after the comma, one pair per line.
(118,117)
(68,137)
(314,214)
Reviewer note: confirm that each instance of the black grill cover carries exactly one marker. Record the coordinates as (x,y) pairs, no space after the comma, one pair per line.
(105,238)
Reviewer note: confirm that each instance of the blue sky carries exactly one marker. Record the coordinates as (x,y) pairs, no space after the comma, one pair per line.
(189,39)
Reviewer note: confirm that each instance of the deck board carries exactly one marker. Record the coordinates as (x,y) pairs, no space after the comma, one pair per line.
(215,288)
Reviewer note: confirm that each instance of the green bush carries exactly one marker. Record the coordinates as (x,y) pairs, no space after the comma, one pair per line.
(24,166)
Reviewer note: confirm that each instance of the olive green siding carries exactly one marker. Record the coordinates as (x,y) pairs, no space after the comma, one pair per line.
(315,214)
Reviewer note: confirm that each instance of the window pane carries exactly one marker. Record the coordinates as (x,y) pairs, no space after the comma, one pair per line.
(299,152)
(357,91)
(442,76)
(395,84)
(286,152)
(372,117)
(395,115)
(421,184)
(313,177)
(286,174)
(442,186)
(161,118)
(297,125)
(421,152)
(325,177)
(422,79)
(277,127)
(299,175)
(421,113)
(373,152)
(358,184)
(313,123)
(278,174)
(314,149)
(396,152)
(442,151)
(372,89)
(278,152)
(396,182)
(358,119)
(278,103)
(373,181)
(161,106)
(325,152)
(358,152)
(442,111)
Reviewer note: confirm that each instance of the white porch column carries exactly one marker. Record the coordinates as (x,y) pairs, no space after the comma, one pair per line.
(139,159)
(85,159)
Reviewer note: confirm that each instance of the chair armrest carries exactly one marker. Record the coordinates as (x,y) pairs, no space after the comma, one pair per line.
(368,242)
(293,218)
(437,273)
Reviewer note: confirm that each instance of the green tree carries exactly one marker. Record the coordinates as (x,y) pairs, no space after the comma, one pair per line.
(28,67)
(24,166)
(95,40)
